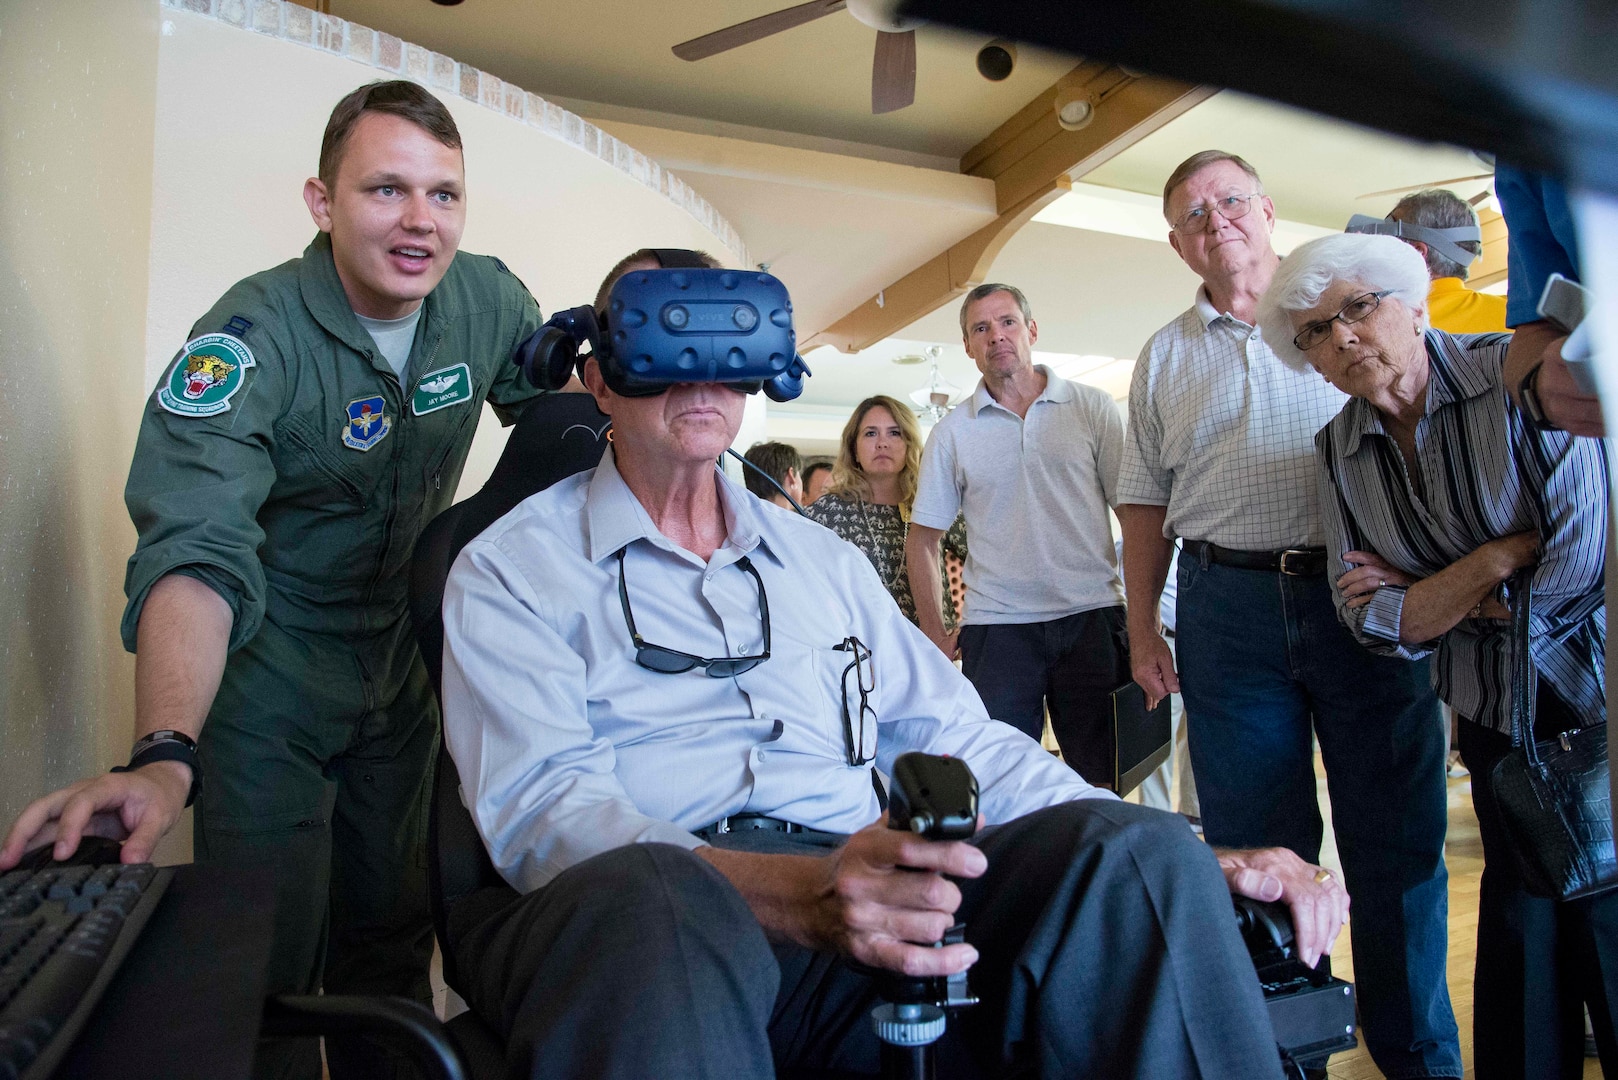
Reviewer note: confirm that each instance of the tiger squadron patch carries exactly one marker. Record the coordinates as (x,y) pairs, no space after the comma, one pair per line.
(209,370)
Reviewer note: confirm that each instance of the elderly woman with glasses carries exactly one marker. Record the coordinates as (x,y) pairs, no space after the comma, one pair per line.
(873,484)
(1436,490)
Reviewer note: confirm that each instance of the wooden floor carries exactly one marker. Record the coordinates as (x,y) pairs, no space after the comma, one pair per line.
(1464,854)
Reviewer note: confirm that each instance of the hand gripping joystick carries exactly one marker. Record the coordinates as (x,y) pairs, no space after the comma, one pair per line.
(936,798)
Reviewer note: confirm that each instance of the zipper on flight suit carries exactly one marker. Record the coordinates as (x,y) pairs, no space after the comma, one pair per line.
(449,448)
(392,517)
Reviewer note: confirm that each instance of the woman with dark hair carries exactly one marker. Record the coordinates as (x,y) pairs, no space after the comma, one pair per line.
(873,483)
(1435,492)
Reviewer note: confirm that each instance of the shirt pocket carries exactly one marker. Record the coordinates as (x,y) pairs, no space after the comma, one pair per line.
(835,727)
(309,473)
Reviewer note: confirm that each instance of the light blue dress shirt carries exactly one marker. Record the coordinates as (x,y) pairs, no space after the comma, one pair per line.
(567,748)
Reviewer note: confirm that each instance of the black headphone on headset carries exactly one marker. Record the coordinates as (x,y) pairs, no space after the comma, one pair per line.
(550,355)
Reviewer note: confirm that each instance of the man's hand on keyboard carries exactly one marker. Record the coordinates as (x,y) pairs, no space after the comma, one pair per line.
(137,807)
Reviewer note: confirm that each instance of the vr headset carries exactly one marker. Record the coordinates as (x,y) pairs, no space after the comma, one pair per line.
(1442,241)
(682,323)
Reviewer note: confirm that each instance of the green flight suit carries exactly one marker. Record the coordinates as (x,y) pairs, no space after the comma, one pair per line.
(300,501)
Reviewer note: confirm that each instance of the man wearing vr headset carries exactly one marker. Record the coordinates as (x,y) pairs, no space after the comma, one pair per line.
(316,421)
(1439,224)
(666,704)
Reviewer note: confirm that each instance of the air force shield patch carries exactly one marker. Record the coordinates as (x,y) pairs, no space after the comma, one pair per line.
(368,423)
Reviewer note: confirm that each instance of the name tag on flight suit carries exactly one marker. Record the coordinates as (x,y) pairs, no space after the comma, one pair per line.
(442,388)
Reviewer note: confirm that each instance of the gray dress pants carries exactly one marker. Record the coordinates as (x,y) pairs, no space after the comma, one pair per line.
(1106,939)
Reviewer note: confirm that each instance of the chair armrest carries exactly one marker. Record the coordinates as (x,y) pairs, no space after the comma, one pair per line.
(405,1026)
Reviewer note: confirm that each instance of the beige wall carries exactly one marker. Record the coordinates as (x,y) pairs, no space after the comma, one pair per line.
(152,158)
(76,109)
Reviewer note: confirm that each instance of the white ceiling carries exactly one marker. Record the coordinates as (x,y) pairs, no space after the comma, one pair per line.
(811,80)
(1314,168)
(778,136)
(833,227)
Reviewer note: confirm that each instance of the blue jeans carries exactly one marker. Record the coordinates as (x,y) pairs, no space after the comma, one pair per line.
(1262,655)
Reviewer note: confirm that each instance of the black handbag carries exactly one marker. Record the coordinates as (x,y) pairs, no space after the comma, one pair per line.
(1555,795)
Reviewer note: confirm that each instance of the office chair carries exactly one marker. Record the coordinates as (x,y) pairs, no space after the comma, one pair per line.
(556,436)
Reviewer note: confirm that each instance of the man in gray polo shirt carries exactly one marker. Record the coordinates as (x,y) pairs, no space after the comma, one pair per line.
(1031,461)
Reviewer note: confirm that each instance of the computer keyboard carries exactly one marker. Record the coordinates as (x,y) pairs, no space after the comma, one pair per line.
(64,929)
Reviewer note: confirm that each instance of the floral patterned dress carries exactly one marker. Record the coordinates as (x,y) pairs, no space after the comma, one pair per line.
(879,531)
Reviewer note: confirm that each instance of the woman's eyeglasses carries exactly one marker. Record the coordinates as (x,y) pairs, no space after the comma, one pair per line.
(1351,312)
(864,680)
(668,661)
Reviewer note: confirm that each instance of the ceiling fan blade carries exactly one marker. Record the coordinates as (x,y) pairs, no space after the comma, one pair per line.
(752,30)
(1429,184)
(893,71)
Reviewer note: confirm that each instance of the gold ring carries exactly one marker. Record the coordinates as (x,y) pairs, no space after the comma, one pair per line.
(1322,876)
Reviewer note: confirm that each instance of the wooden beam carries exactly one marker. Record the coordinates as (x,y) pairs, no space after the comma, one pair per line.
(1032,160)
(1490,266)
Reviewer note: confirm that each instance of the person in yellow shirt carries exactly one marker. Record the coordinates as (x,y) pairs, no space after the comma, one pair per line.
(1441,225)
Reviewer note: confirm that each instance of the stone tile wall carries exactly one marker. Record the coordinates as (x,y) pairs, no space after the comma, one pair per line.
(444,76)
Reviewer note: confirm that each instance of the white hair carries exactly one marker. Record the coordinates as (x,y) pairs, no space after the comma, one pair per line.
(1377,262)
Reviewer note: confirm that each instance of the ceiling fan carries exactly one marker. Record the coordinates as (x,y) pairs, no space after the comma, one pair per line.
(893,70)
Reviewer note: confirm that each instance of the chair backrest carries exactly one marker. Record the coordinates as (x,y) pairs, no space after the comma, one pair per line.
(556,436)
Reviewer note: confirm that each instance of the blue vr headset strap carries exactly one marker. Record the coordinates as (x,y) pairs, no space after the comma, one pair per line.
(1442,241)
(549,356)
(679,259)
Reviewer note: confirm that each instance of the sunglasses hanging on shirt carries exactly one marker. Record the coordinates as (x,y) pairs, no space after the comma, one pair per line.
(666,661)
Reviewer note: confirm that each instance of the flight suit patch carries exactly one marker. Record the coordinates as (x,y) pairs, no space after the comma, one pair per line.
(442,388)
(208,371)
(368,423)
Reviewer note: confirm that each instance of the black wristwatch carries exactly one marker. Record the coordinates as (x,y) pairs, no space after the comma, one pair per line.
(1528,395)
(166,745)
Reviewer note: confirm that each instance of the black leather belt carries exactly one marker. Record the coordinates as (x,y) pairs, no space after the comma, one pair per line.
(1294,562)
(748,823)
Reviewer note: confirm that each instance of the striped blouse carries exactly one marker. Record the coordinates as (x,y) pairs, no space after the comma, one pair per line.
(1486,472)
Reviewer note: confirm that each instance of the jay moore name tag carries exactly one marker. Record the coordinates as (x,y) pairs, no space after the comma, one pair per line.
(442,388)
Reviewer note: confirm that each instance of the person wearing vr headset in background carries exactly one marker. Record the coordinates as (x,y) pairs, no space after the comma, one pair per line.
(317,419)
(1441,226)
(665,704)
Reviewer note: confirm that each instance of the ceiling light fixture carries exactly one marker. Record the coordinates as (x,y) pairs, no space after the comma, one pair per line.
(939,396)
(1075,108)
